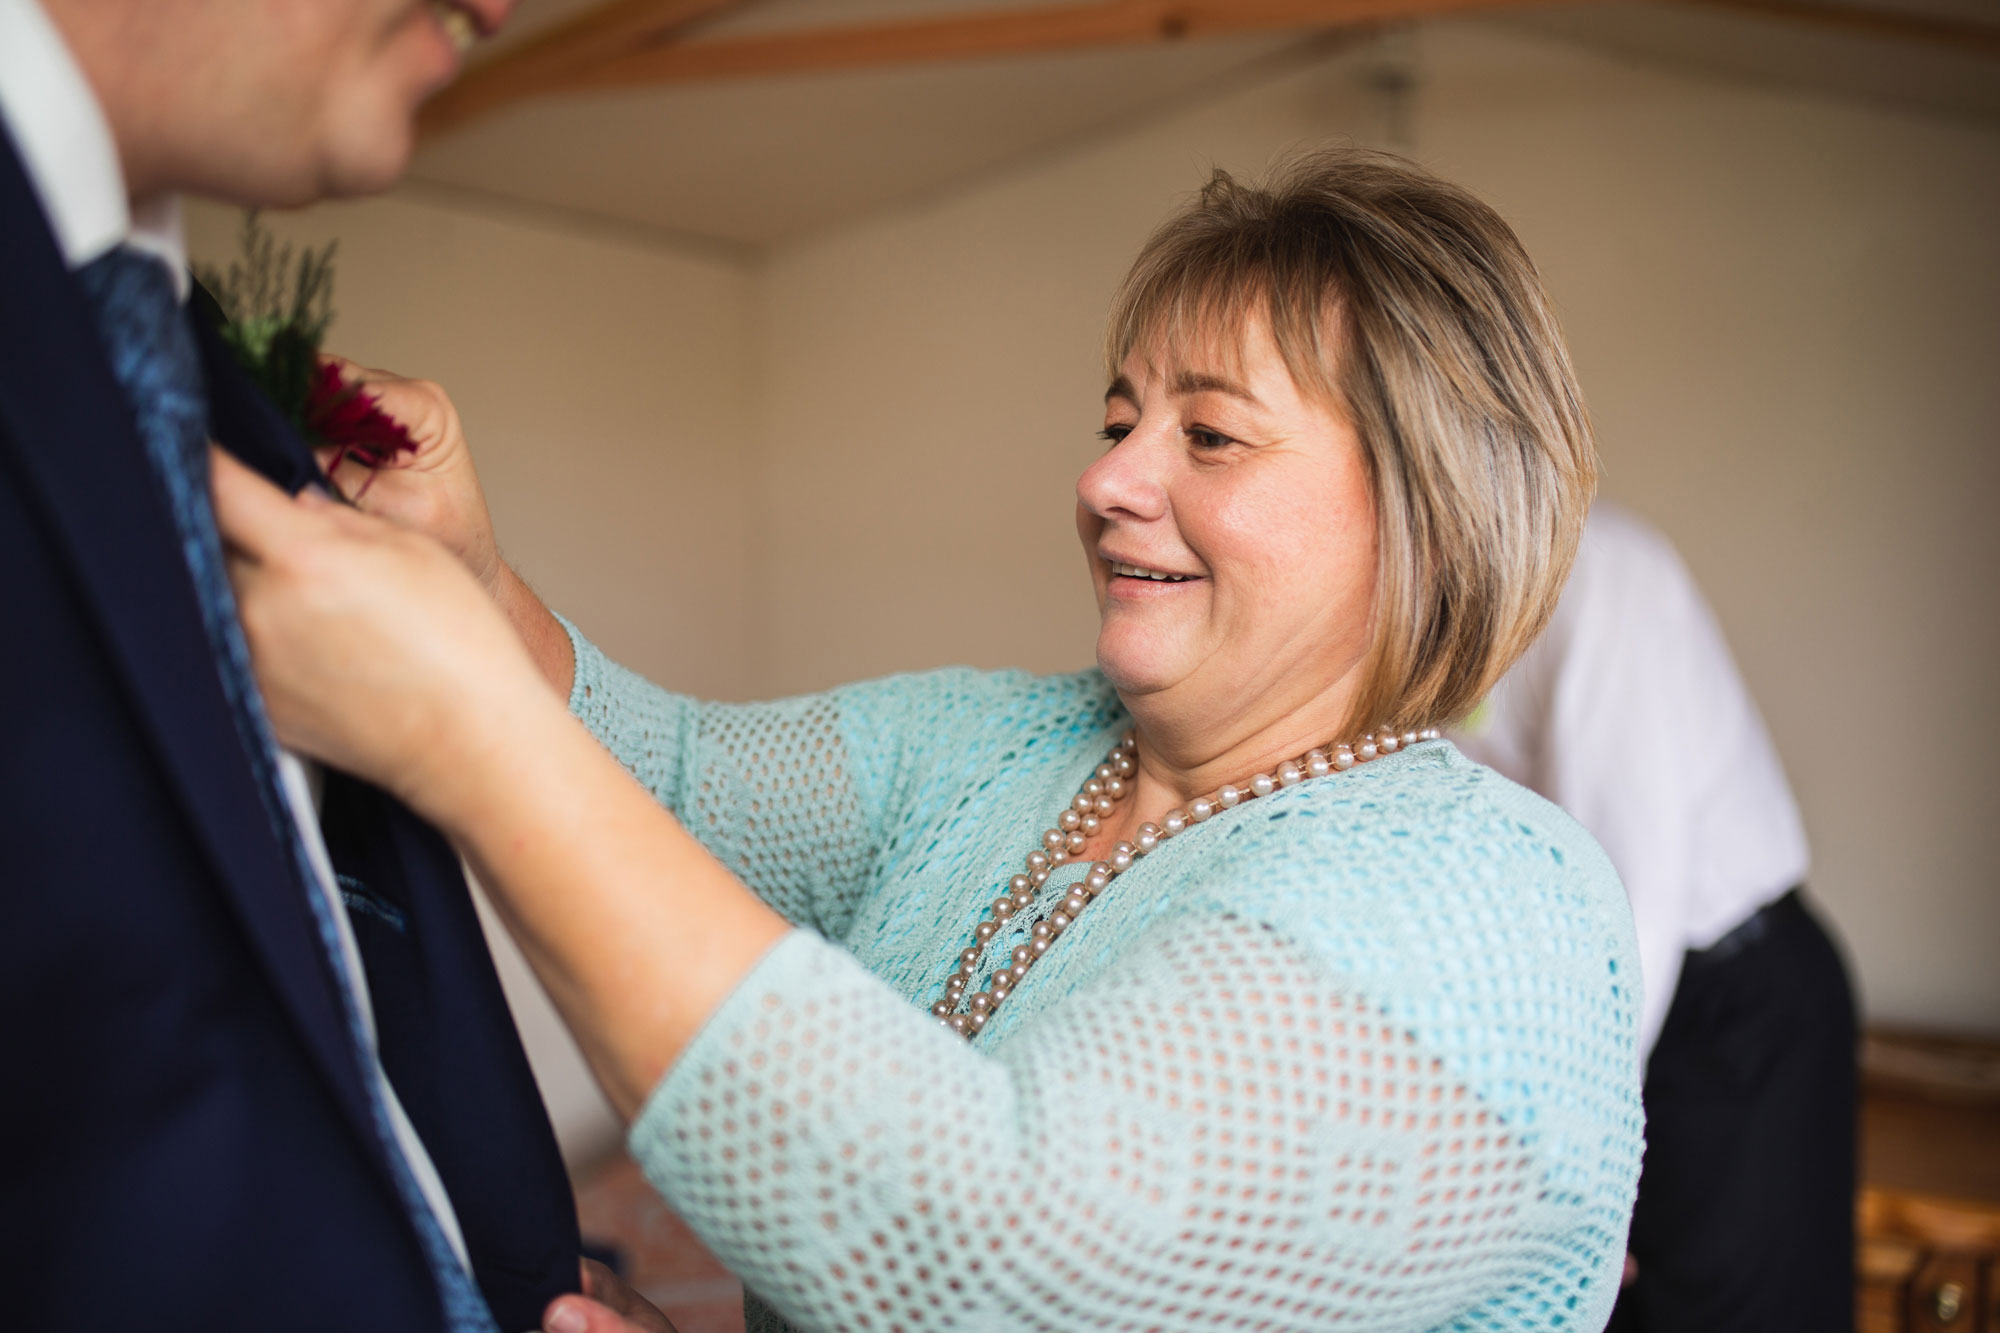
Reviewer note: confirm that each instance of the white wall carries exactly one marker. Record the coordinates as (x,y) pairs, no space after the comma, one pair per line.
(1785,310)
(605,386)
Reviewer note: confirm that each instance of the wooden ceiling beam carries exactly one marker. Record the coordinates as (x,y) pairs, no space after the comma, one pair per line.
(551,59)
(1011,32)
(639,43)
(1981,39)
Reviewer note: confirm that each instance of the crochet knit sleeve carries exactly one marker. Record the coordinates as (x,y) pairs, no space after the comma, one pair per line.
(1217,1133)
(797,797)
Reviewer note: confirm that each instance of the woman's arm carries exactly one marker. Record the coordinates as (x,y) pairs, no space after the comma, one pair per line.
(635,929)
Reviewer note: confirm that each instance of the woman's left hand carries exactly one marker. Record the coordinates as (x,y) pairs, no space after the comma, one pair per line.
(376,650)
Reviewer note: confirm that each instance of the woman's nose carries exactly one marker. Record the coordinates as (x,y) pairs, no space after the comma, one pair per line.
(1127,481)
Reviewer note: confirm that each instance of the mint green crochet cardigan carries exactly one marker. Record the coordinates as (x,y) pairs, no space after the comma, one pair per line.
(1358,1055)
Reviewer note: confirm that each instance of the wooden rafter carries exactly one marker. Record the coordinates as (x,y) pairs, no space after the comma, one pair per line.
(636,43)
(552,60)
(1982,39)
(1002,33)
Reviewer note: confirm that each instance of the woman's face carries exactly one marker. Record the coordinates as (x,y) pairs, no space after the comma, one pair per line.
(1231,539)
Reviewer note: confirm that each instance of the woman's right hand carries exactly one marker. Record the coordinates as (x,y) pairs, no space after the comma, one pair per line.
(433,490)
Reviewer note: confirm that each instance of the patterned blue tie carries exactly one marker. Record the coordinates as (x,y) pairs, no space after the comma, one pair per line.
(153,354)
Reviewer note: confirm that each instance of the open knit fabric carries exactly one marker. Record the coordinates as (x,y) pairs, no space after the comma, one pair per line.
(1356,1055)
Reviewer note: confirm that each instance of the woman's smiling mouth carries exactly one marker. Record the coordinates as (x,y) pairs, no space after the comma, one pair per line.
(1141,574)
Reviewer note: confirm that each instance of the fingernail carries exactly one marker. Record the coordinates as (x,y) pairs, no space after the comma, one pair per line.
(564,1317)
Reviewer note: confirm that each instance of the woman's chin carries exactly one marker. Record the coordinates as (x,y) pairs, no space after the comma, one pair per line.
(1132,668)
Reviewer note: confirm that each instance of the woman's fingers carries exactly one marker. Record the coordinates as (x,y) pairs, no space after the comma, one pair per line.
(608,1305)
(253,516)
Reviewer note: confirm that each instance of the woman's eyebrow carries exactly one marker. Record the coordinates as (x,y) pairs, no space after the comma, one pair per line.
(1195,381)
(1187,382)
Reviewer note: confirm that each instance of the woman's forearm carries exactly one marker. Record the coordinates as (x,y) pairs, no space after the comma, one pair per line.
(635,929)
(547,642)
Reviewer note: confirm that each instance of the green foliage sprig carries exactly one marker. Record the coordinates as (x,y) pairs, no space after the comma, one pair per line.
(277,304)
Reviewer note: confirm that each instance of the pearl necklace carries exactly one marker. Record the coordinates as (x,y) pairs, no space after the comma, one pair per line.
(1079,822)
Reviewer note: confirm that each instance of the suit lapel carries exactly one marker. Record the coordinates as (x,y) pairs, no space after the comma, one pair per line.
(72,439)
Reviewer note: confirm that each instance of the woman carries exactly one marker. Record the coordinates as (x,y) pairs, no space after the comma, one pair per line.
(1203,990)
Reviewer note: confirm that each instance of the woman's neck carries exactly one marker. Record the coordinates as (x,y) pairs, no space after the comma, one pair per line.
(1178,763)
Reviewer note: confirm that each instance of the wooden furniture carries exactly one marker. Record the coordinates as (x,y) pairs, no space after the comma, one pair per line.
(1928,1214)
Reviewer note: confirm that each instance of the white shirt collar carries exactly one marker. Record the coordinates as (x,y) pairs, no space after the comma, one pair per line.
(59,129)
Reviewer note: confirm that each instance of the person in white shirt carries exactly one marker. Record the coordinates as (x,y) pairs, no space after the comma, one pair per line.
(1630,714)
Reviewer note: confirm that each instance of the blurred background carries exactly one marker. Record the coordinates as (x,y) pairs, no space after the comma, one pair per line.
(775,328)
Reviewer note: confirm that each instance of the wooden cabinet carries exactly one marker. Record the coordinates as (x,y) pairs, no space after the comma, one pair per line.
(1928,1215)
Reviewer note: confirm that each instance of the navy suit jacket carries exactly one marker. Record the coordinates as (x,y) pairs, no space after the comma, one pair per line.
(188,1144)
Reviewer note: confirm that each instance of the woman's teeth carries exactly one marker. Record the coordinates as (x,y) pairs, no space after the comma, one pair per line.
(457,24)
(1134,572)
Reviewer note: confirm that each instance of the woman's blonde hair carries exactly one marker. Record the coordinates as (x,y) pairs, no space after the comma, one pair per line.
(1407,305)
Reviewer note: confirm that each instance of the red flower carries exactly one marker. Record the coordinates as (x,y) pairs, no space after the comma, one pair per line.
(349,419)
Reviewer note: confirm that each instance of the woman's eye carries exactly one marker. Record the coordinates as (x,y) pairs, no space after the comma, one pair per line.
(1206,438)
(1114,433)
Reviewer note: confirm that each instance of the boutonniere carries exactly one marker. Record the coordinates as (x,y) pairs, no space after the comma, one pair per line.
(276,308)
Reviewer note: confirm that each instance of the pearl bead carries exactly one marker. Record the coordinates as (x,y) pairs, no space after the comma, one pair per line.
(1104,806)
(1077,842)
(1317,764)
(1388,744)
(1040,877)
(985,931)
(980,1003)
(968,957)
(1003,979)
(1038,947)
(1074,905)
(1115,788)
(1263,785)
(1069,820)
(1411,738)
(1094,788)
(1024,895)
(1058,922)
(1083,803)
(1201,809)
(976,1021)
(1099,876)
(960,1024)
(955,982)
(1105,772)
(1343,760)
(942,1009)
(1430,733)
(1002,908)
(1126,768)
(1091,824)
(1228,797)
(1289,774)
(1058,856)
(1121,857)
(1022,953)
(1041,930)
(1019,885)
(1037,860)
(1148,837)
(1174,823)
(1054,838)
(1000,993)
(1366,752)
